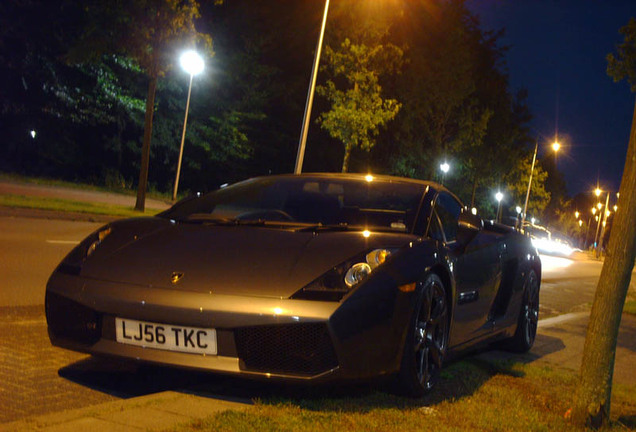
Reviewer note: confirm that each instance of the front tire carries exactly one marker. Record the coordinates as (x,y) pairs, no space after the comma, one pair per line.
(426,340)
(526,332)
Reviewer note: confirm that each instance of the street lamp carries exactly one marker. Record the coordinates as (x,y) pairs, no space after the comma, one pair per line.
(605,216)
(498,196)
(444,167)
(525,206)
(192,63)
(310,96)
(555,146)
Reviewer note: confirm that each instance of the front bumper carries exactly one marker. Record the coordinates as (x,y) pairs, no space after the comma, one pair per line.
(256,336)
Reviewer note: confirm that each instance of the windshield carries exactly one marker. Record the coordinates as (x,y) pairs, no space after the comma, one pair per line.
(379,204)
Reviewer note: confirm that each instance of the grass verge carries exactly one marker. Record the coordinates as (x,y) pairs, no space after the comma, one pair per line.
(630,307)
(474,395)
(62,205)
(151,193)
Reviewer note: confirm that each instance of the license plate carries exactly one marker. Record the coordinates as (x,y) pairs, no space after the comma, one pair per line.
(166,336)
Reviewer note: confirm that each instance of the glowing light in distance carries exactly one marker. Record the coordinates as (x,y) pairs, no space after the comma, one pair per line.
(498,196)
(556,146)
(366,233)
(444,167)
(369,178)
(278,311)
(550,246)
(553,263)
(33,134)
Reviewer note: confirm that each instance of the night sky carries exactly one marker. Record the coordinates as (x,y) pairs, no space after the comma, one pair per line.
(557,52)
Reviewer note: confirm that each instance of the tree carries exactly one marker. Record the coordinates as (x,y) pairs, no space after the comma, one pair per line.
(457,104)
(517,181)
(592,399)
(149,32)
(357,107)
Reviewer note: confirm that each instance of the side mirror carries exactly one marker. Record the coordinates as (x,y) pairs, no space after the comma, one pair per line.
(468,226)
(470,221)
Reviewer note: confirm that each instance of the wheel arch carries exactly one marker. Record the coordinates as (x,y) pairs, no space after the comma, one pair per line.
(444,274)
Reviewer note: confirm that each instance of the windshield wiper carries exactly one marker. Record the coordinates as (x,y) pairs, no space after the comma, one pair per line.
(326,227)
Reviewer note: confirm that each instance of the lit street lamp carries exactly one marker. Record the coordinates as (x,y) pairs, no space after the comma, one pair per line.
(499,196)
(310,96)
(556,147)
(192,63)
(444,167)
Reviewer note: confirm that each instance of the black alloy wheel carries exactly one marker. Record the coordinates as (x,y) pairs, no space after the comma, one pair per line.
(427,340)
(526,332)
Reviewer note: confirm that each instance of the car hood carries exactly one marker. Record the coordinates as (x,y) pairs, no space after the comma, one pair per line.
(234,260)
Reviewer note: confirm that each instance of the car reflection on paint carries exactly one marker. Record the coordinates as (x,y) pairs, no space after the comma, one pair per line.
(301,277)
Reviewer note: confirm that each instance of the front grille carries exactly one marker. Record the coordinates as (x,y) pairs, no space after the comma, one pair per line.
(297,349)
(72,321)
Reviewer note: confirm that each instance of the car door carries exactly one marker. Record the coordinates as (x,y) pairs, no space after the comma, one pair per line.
(476,268)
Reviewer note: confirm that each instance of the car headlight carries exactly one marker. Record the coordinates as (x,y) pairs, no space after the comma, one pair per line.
(72,263)
(334,284)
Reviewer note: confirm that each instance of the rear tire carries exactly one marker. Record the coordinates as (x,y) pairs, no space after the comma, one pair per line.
(526,332)
(426,340)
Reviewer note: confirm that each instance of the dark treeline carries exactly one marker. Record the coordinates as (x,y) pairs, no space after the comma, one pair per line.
(447,76)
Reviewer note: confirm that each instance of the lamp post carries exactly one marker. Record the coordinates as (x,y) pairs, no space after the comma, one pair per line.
(587,230)
(525,206)
(606,214)
(310,96)
(597,192)
(498,197)
(192,63)
(444,167)
(555,146)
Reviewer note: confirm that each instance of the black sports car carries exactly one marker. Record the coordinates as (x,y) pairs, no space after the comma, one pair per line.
(301,277)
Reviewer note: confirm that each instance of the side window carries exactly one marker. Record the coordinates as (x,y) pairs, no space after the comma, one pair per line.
(448,210)
(434,230)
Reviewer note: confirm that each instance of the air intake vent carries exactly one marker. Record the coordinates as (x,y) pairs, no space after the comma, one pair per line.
(70,320)
(294,349)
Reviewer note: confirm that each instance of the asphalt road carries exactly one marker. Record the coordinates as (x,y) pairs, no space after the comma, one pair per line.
(31,249)
(36,378)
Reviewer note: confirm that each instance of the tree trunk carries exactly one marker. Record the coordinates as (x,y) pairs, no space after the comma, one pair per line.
(145,148)
(592,398)
(347,156)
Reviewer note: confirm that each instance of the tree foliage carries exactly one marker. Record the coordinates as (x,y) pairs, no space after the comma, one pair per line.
(623,64)
(81,75)
(358,111)
(149,32)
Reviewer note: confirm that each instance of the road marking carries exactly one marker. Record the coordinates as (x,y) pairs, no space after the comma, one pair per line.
(549,322)
(72,242)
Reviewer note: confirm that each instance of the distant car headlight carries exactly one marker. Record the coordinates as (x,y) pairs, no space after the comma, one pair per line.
(72,263)
(334,284)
